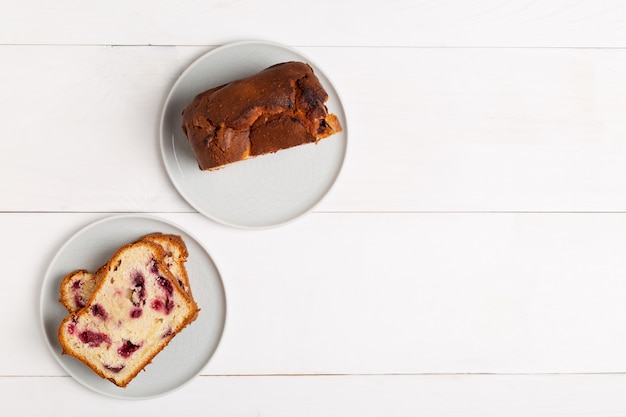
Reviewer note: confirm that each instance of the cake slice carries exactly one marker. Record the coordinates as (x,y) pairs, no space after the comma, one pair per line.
(277,108)
(135,311)
(77,287)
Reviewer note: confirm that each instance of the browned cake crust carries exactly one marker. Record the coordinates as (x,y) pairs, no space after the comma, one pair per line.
(277,108)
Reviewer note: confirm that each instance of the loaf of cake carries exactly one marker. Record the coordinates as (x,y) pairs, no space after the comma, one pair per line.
(78,286)
(136,309)
(277,108)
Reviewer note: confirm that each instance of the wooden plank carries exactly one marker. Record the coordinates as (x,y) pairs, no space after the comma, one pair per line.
(380,293)
(398,395)
(483,130)
(524,23)
(430,129)
(79,118)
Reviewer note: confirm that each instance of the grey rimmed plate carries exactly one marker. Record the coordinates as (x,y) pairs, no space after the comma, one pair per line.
(189,351)
(260,192)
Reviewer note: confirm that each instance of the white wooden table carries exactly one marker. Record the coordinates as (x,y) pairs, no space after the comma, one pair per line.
(470,260)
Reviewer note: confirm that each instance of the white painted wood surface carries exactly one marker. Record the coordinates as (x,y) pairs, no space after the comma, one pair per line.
(340,395)
(469,260)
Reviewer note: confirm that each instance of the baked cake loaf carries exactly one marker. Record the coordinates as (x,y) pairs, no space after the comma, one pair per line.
(78,286)
(136,310)
(277,108)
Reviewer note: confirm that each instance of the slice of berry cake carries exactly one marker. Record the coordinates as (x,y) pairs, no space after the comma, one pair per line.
(76,289)
(136,310)
(77,286)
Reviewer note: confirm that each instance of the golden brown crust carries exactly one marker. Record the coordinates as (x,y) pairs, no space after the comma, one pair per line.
(277,108)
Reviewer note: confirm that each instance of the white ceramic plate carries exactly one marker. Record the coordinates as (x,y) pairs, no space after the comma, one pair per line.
(260,192)
(187,353)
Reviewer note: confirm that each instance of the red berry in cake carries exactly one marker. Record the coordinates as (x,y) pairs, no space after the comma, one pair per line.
(114,369)
(168,333)
(169,306)
(127,349)
(79,301)
(166,284)
(139,289)
(157,305)
(166,306)
(93,339)
(154,268)
(98,311)
(71,327)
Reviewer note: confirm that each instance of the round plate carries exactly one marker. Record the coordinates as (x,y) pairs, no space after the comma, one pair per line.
(260,192)
(187,353)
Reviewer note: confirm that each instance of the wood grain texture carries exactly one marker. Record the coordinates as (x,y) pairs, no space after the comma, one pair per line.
(511,23)
(467,262)
(381,293)
(338,396)
(430,129)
